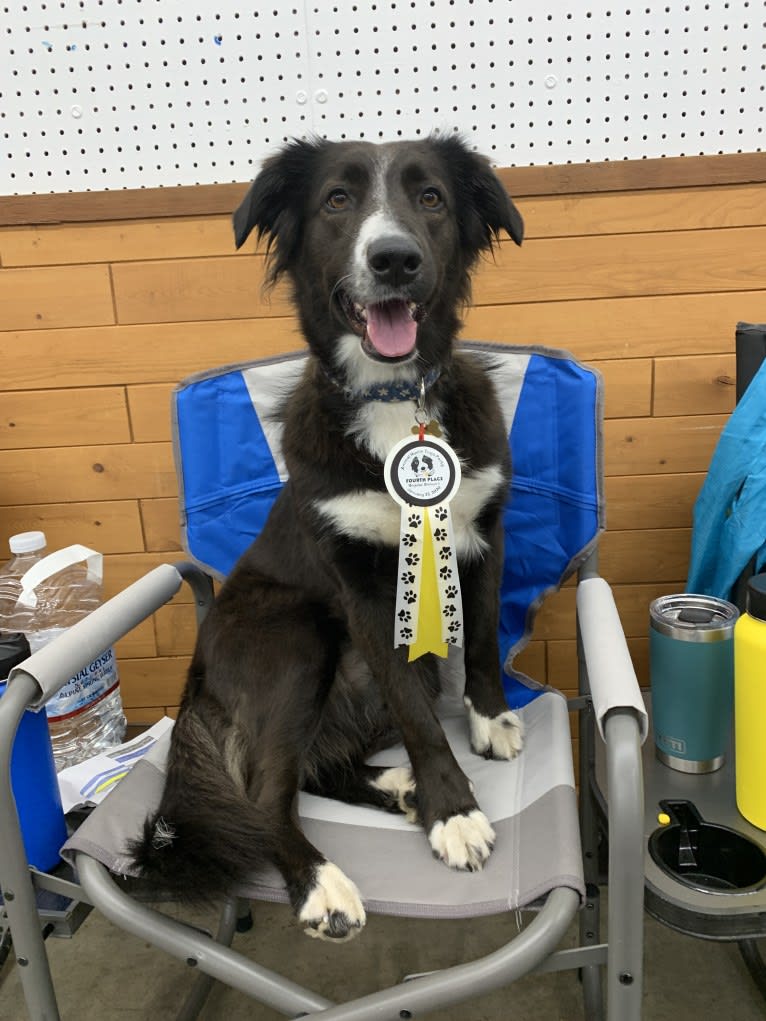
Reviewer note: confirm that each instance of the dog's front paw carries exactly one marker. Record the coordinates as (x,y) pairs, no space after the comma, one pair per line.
(496,737)
(463,841)
(332,909)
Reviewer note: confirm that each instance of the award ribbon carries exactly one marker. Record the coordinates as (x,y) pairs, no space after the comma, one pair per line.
(422,475)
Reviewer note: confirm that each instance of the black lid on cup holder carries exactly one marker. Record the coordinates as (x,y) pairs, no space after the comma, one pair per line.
(704,855)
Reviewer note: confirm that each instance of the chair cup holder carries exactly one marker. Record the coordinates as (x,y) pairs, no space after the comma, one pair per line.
(704,855)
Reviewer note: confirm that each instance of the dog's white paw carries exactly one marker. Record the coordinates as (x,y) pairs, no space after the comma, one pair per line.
(463,841)
(333,909)
(497,737)
(399,783)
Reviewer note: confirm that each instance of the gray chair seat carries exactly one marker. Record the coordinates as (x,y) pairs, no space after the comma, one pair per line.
(531,803)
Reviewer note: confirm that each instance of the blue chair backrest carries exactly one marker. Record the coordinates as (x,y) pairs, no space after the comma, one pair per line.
(229,462)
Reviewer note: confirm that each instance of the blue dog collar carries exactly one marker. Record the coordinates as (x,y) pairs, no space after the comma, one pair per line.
(389,393)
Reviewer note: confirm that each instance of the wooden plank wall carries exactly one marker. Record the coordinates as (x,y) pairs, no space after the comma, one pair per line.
(101,313)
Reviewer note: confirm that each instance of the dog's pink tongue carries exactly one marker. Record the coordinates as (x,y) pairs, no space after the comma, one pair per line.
(391,329)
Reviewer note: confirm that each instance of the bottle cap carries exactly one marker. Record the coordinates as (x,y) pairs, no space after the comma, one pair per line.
(756,596)
(27,542)
(14,649)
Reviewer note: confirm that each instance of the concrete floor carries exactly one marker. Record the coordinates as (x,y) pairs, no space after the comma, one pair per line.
(104,974)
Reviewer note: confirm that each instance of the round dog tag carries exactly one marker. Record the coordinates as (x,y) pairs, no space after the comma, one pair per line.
(422,473)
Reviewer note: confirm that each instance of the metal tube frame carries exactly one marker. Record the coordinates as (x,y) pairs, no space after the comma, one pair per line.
(625,815)
(16,879)
(523,954)
(626,866)
(42,674)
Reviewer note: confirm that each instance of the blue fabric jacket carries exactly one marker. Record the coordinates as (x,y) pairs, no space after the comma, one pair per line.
(730,511)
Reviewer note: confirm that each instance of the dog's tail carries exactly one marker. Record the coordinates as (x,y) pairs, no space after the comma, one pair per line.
(206,835)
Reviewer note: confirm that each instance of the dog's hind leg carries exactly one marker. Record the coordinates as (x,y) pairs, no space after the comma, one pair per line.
(391,788)
(325,901)
(268,657)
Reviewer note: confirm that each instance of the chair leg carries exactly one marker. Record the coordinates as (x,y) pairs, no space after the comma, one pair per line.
(244,916)
(751,955)
(590,915)
(590,935)
(626,867)
(196,999)
(228,924)
(17,889)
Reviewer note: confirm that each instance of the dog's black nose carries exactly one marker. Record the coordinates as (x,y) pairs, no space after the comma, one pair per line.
(394,260)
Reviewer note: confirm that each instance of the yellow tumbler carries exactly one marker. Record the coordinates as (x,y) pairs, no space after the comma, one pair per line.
(750,704)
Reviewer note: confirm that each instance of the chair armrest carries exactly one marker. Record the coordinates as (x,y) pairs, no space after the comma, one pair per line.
(621,718)
(612,679)
(52,666)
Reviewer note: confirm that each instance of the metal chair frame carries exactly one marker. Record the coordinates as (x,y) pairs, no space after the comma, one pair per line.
(534,949)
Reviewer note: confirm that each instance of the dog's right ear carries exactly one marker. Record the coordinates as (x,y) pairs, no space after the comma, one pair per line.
(272,206)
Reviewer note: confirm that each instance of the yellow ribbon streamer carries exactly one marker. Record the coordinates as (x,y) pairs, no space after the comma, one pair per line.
(429,633)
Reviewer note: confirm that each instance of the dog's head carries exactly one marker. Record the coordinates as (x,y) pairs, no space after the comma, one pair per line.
(379,242)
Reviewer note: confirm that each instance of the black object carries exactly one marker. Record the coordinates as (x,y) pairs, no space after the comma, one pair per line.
(14,649)
(704,855)
(750,348)
(750,341)
(695,615)
(756,596)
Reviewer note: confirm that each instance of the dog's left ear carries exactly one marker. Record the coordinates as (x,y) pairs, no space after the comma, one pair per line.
(484,206)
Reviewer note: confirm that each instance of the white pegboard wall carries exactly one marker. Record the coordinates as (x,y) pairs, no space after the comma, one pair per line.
(105,94)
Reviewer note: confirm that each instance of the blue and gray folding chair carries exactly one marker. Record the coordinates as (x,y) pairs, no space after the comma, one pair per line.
(545,859)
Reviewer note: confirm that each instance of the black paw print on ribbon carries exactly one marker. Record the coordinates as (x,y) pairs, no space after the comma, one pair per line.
(445,572)
(412,559)
(453,627)
(445,552)
(451,640)
(440,534)
(450,591)
(413,520)
(449,610)
(404,616)
(410,596)
(408,578)
(440,514)
(405,633)
(408,539)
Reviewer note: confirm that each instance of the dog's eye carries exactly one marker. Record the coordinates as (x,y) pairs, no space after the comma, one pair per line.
(431,198)
(337,199)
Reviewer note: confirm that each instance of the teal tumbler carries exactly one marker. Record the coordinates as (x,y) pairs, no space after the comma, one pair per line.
(691,657)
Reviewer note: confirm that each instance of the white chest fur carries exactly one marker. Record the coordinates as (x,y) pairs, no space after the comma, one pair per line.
(374,517)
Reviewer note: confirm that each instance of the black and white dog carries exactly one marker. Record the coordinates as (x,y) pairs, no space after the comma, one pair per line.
(295,680)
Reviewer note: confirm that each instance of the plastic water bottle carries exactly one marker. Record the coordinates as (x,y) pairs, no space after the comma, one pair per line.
(47,597)
(27,549)
(750,704)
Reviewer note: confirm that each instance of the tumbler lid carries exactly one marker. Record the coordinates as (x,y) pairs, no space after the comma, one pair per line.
(756,596)
(693,618)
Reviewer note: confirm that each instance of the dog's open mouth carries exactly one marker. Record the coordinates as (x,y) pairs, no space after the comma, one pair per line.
(388,328)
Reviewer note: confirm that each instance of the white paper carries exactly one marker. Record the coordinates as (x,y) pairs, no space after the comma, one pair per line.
(89,782)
